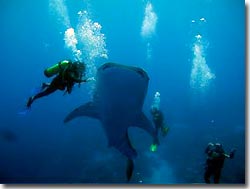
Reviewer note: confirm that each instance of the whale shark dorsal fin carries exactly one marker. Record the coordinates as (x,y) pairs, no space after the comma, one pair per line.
(89,109)
(144,123)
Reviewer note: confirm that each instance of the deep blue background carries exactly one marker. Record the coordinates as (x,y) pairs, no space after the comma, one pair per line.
(40,148)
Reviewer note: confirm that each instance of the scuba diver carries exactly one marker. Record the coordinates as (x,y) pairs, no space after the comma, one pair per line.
(158,120)
(68,74)
(215,160)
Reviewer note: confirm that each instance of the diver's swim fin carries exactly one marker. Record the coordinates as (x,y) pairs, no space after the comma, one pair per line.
(29,102)
(130,169)
(25,110)
(153,147)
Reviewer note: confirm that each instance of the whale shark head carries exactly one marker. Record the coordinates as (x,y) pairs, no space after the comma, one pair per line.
(121,89)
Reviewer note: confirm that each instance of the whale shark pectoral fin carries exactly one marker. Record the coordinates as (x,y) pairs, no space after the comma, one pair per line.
(144,123)
(89,109)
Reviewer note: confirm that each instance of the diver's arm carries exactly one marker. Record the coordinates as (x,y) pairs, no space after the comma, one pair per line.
(231,154)
(226,155)
(208,149)
(86,80)
(79,79)
(76,79)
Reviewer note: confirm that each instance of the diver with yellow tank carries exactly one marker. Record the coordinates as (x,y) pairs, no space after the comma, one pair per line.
(67,74)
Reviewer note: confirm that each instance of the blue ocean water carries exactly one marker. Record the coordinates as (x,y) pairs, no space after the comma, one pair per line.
(193,52)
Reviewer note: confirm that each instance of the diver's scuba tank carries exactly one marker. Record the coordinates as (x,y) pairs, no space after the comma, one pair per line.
(51,71)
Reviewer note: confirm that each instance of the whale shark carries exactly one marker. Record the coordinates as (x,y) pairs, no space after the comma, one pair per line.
(117,103)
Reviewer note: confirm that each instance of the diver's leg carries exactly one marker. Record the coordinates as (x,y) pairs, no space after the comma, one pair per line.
(46,92)
(217,176)
(45,85)
(49,88)
(69,87)
(207,175)
(157,130)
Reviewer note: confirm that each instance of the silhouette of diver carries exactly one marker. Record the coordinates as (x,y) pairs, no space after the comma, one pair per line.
(215,160)
(159,123)
(67,74)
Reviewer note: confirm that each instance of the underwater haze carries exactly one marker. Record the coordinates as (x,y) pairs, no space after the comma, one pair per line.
(193,52)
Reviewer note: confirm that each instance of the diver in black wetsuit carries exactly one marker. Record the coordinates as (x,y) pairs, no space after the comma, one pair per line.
(159,123)
(158,120)
(68,74)
(215,160)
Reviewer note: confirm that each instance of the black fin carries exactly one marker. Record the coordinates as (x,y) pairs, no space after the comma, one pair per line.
(89,109)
